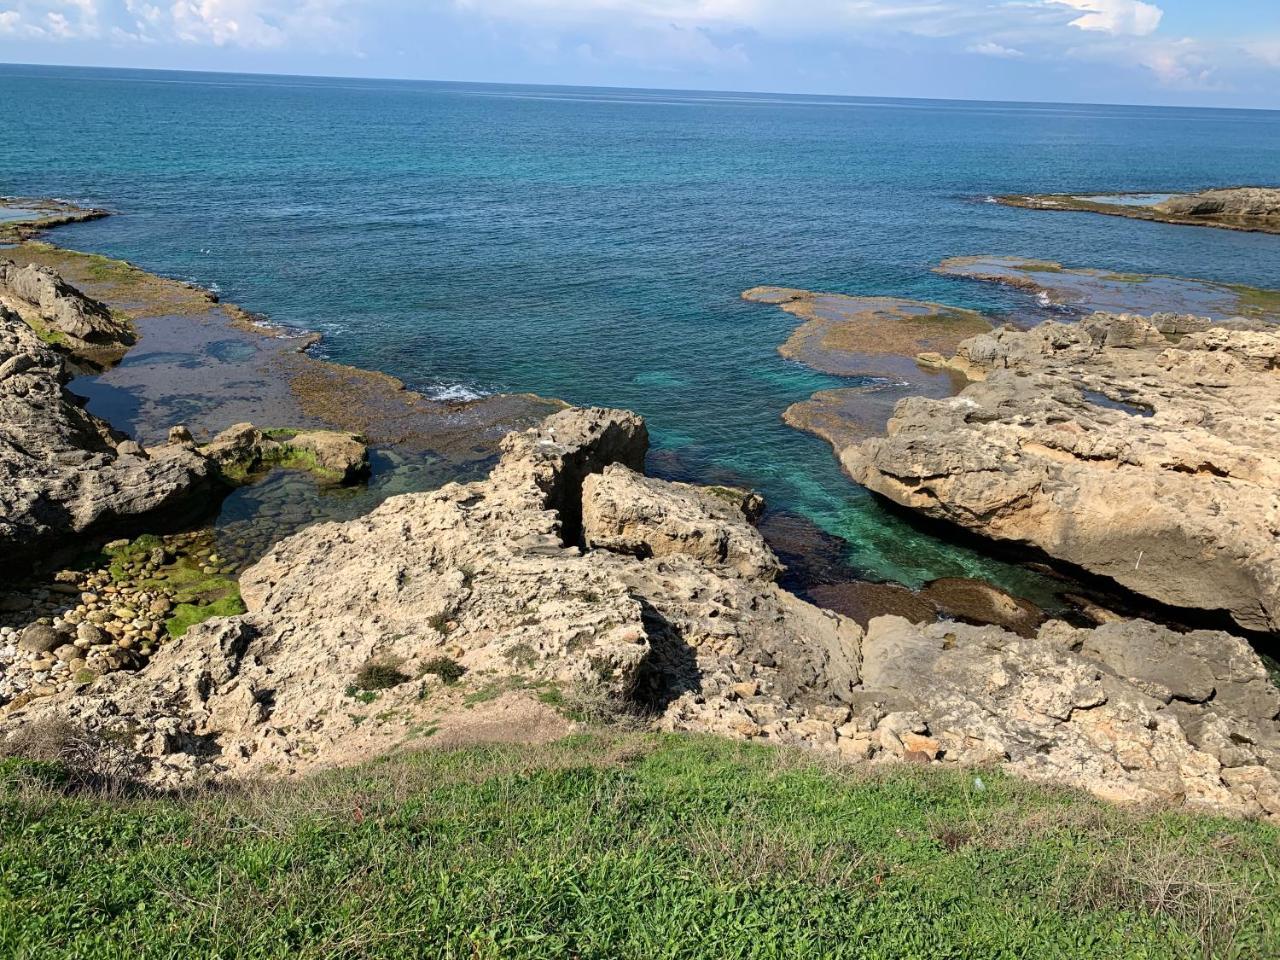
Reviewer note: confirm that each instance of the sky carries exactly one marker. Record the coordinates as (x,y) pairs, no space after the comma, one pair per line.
(1186,52)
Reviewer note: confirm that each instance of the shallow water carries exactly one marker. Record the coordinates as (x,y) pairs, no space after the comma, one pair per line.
(1131,199)
(10,214)
(592,245)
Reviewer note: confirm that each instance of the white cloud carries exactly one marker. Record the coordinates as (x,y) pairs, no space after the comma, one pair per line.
(1181,64)
(1116,17)
(1265,51)
(990,48)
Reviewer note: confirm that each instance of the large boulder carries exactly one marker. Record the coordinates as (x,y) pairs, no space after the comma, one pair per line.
(242,450)
(1106,445)
(626,512)
(85,326)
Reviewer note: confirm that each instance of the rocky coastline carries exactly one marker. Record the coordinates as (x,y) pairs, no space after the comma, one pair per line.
(1249,209)
(565,585)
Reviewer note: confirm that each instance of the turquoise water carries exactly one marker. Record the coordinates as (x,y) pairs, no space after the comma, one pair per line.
(592,244)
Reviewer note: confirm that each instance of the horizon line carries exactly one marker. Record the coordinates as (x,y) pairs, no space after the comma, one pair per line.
(572,86)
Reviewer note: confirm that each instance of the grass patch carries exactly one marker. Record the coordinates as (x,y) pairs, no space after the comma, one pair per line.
(644,846)
(54,338)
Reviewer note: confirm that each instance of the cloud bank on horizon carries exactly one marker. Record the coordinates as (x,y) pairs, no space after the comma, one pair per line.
(1136,50)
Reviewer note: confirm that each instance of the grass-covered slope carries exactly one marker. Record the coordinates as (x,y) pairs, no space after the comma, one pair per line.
(631,845)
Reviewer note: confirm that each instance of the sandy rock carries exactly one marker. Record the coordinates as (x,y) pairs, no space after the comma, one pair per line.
(625,512)
(1242,202)
(1105,445)
(342,454)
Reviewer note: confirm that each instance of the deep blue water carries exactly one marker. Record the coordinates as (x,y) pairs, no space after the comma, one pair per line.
(592,244)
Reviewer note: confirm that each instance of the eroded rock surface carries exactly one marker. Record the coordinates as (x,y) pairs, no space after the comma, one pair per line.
(494,575)
(1104,444)
(1246,203)
(83,326)
(1129,710)
(63,472)
(242,450)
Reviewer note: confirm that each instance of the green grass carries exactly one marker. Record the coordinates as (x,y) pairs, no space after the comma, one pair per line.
(640,846)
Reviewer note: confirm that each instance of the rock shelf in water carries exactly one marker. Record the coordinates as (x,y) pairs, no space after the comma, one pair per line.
(1148,458)
(1086,290)
(1252,209)
(874,339)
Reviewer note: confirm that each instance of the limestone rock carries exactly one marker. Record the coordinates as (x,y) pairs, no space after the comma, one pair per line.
(63,472)
(494,575)
(489,573)
(625,512)
(1242,202)
(342,454)
(1108,446)
(1102,718)
(86,325)
(242,449)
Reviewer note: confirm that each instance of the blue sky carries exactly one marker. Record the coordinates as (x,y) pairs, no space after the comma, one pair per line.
(1201,52)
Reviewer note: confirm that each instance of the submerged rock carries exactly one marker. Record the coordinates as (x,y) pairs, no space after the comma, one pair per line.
(1153,463)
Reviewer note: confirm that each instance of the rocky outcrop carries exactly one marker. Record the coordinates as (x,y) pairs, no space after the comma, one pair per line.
(1235,202)
(242,450)
(64,316)
(625,512)
(566,570)
(1105,444)
(1255,209)
(490,574)
(63,472)
(1129,710)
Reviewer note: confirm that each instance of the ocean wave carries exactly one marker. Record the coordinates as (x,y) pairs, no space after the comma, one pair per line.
(454,392)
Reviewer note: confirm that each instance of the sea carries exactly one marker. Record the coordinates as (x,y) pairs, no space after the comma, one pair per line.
(592,244)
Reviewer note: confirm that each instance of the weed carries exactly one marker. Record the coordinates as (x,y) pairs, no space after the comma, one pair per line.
(380,675)
(449,671)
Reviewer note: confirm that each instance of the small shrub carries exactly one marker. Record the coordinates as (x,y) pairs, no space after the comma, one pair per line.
(380,675)
(55,751)
(450,671)
(522,655)
(439,623)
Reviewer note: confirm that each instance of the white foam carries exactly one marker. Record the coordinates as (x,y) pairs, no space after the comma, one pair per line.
(454,392)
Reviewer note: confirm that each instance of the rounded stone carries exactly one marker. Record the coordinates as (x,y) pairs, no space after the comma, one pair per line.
(39,638)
